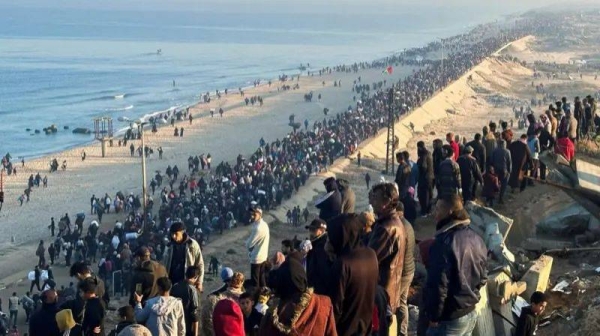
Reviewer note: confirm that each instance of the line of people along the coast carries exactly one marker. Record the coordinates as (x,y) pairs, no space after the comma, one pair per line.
(162,249)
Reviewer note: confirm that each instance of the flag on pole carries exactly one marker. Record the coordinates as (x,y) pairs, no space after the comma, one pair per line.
(388,71)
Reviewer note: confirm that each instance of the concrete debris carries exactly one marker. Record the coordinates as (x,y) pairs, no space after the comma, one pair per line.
(570,221)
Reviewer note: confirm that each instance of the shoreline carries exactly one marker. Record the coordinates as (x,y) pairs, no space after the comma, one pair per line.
(371,147)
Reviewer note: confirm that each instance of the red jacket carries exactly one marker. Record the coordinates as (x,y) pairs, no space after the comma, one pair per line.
(455,149)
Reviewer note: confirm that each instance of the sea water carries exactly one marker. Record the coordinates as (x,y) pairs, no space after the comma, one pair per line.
(68,66)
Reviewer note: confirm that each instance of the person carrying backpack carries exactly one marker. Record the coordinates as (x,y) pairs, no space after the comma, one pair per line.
(27,303)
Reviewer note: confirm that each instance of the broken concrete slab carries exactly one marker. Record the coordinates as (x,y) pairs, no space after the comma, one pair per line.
(570,221)
(541,245)
(537,276)
(482,218)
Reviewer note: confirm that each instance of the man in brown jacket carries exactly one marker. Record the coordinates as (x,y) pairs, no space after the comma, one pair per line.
(388,240)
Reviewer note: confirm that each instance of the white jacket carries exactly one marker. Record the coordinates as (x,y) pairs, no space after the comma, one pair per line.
(258,242)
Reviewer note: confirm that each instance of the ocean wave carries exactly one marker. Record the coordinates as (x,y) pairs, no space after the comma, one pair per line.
(128,107)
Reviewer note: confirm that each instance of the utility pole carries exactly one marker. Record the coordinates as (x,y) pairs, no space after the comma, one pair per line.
(389,154)
(443,57)
(144,194)
(1,188)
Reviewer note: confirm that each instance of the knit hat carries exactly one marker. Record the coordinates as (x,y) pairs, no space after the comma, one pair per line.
(228,319)
(226,274)
(65,320)
(135,330)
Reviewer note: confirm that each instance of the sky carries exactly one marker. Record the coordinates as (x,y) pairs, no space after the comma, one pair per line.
(274,5)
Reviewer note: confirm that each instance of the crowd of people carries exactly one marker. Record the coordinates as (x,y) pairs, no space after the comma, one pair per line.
(350,277)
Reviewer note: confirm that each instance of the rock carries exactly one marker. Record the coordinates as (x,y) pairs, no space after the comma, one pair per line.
(82,130)
(231,251)
(570,221)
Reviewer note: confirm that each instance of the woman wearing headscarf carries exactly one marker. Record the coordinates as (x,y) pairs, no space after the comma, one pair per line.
(300,311)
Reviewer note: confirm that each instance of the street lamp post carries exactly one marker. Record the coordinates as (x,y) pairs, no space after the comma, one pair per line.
(144,194)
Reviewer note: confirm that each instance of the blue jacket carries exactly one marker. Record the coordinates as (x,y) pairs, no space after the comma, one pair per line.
(456,270)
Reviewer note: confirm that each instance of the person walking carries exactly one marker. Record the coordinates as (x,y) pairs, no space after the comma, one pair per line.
(425,179)
(448,177)
(27,303)
(41,254)
(182,252)
(13,309)
(258,247)
(502,162)
(37,274)
(470,174)
(456,271)
(162,315)
(187,292)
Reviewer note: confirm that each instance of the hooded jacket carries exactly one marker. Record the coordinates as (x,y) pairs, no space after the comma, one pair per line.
(388,240)
(228,319)
(208,308)
(193,256)
(258,242)
(348,197)
(146,275)
(318,265)
(163,316)
(314,313)
(354,277)
(456,270)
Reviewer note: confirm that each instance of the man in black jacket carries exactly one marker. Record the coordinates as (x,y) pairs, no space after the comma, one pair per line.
(426,178)
(187,291)
(354,277)
(318,262)
(402,175)
(470,174)
(457,269)
(479,152)
(448,177)
(331,204)
(43,322)
(82,272)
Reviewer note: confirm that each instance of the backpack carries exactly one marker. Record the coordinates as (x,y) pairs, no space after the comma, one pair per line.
(108,266)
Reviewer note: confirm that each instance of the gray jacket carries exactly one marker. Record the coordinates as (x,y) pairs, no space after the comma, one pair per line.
(193,257)
(501,159)
(163,316)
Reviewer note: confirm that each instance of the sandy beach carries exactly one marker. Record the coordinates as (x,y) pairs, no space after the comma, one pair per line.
(239,131)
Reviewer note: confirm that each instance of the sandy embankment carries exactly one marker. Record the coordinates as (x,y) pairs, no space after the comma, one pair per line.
(237,132)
